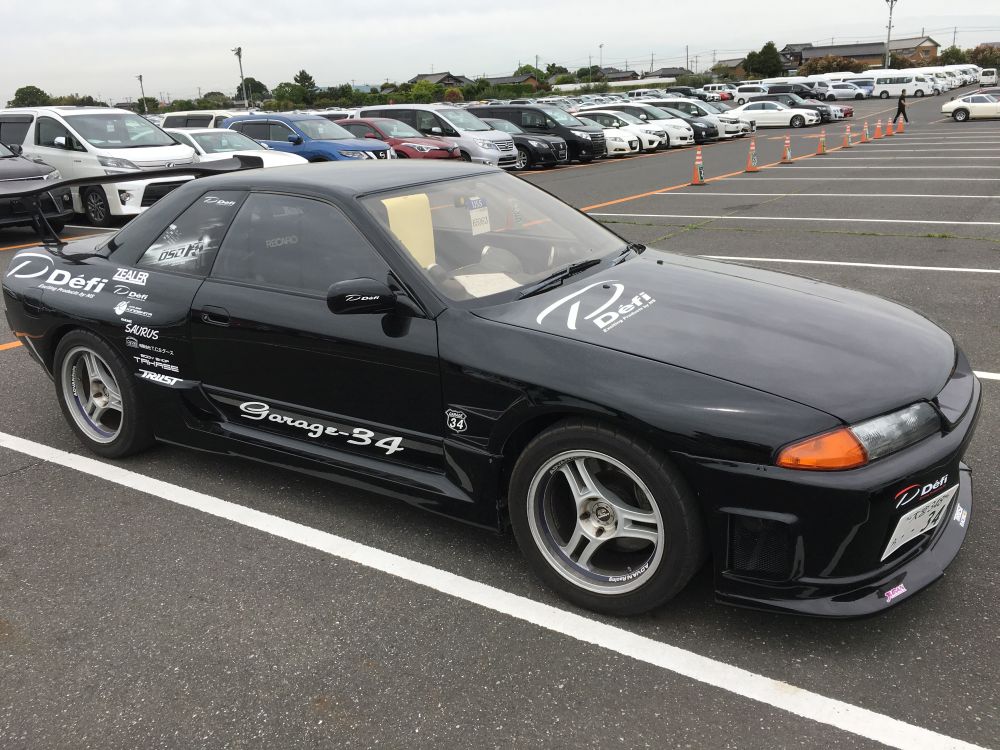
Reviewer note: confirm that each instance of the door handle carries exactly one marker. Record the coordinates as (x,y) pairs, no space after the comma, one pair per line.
(215,316)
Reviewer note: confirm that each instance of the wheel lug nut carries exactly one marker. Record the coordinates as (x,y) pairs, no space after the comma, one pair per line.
(584,516)
(599,532)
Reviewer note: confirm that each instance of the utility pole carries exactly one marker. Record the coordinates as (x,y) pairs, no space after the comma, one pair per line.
(954,37)
(695,70)
(601,47)
(536,63)
(142,91)
(243,84)
(199,92)
(687,57)
(888,35)
(650,62)
(590,67)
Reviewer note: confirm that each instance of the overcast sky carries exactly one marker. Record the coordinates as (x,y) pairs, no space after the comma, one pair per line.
(98,47)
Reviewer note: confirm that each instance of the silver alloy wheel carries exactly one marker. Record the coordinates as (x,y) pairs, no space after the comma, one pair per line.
(92,394)
(97,210)
(595,522)
(522,159)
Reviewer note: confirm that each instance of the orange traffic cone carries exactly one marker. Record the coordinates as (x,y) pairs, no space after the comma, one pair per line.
(752,157)
(847,138)
(698,173)
(901,129)
(864,133)
(821,146)
(878,130)
(786,153)
(888,128)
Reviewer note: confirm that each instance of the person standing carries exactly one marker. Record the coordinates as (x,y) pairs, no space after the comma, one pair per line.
(901,108)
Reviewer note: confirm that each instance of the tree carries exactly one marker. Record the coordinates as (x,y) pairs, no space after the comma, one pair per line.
(453,95)
(219,98)
(152,104)
(289,92)
(555,70)
(565,78)
(899,62)
(425,92)
(766,63)
(985,56)
(308,85)
(29,96)
(530,70)
(255,90)
(829,64)
(588,74)
(952,56)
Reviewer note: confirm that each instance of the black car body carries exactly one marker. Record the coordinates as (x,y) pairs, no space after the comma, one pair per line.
(704,130)
(791,88)
(797,102)
(585,142)
(688,91)
(533,149)
(480,342)
(55,204)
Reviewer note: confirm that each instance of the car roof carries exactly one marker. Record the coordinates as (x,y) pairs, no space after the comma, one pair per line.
(275,116)
(195,131)
(68,110)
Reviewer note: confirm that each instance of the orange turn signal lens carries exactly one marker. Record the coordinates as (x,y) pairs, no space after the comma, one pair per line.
(827,452)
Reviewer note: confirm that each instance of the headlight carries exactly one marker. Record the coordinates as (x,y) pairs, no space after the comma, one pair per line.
(418,147)
(850,447)
(353,155)
(616,139)
(53,175)
(581,134)
(112,163)
(538,144)
(488,145)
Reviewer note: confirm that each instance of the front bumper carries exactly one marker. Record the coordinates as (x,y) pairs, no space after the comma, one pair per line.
(132,198)
(56,204)
(813,543)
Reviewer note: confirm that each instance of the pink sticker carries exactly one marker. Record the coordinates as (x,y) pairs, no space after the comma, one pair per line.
(894,592)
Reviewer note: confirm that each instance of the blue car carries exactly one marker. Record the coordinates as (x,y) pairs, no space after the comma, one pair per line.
(309,136)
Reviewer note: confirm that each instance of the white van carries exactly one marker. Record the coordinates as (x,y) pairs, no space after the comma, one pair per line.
(96,141)
(199,118)
(988,77)
(892,84)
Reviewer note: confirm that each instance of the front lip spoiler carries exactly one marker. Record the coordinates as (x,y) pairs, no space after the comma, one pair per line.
(868,598)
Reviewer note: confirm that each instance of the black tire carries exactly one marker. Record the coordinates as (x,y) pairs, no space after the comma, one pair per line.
(401,155)
(741,102)
(106,435)
(884,95)
(960,115)
(95,205)
(524,160)
(465,156)
(797,121)
(859,96)
(585,159)
(665,143)
(831,97)
(919,93)
(666,549)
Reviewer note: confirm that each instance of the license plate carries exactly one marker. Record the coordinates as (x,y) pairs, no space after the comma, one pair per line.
(920,520)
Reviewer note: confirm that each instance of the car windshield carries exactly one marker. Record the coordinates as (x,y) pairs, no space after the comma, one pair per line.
(488,235)
(795,98)
(710,108)
(588,121)
(666,113)
(321,129)
(563,118)
(630,119)
(397,129)
(463,120)
(118,130)
(221,141)
(507,127)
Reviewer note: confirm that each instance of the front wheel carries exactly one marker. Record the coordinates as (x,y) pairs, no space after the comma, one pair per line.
(95,204)
(960,115)
(466,157)
(859,96)
(604,519)
(97,395)
(831,97)
(585,159)
(798,121)
(523,159)
(884,95)
(919,93)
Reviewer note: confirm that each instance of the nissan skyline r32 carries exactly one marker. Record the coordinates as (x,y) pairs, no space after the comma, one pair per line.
(457,338)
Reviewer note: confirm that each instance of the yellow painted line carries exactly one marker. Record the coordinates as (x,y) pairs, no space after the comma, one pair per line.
(10,345)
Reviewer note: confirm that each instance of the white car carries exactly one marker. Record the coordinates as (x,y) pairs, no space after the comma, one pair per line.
(215,144)
(652,135)
(845,90)
(619,142)
(972,107)
(775,115)
(729,126)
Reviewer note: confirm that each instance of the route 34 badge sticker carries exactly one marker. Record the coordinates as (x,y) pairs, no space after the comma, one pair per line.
(457,421)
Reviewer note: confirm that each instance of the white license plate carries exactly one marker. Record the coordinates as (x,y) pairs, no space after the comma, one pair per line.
(920,520)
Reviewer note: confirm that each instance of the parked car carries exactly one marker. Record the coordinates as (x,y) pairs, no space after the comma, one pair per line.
(704,130)
(476,141)
(617,142)
(800,89)
(825,111)
(776,115)
(688,92)
(844,90)
(585,142)
(56,204)
(310,136)
(988,77)
(408,142)
(972,107)
(216,144)
(661,134)
(468,343)
(726,90)
(94,142)
(533,149)
(674,131)
(867,85)
(744,93)
(727,125)
(198,118)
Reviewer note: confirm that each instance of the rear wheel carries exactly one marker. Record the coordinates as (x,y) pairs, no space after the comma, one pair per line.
(960,115)
(884,95)
(95,204)
(604,519)
(859,96)
(919,92)
(797,121)
(831,97)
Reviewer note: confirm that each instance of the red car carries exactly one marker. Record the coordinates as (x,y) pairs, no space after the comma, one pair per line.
(408,142)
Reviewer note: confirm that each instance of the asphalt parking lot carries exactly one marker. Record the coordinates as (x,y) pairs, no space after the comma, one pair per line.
(141,610)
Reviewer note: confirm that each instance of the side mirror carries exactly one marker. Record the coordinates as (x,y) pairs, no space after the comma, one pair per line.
(16,149)
(436,130)
(643,117)
(360,297)
(59,141)
(295,139)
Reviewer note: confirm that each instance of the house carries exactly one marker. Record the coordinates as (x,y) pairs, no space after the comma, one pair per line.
(731,68)
(919,49)
(668,73)
(792,53)
(621,75)
(522,80)
(443,79)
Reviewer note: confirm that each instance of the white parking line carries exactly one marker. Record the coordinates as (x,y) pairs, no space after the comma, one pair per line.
(799,166)
(831,195)
(853,264)
(818,708)
(844,157)
(760,178)
(735,217)
(988,375)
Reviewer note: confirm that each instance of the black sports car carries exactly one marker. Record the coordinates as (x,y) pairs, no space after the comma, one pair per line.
(56,204)
(453,336)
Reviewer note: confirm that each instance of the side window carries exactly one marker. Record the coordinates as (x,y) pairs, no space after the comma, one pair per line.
(295,243)
(754,107)
(279,132)
(190,243)
(408,116)
(173,121)
(530,119)
(48,130)
(199,121)
(219,119)
(425,120)
(256,129)
(14,128)
(359,130)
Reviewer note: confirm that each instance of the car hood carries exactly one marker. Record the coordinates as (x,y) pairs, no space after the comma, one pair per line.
(19,168)
(357,144)
(849,354)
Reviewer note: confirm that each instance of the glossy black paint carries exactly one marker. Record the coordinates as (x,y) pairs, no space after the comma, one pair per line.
(718,365)
(56,203)
(530,117)
(554,149)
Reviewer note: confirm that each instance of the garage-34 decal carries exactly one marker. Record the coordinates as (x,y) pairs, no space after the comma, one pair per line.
(259,411)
